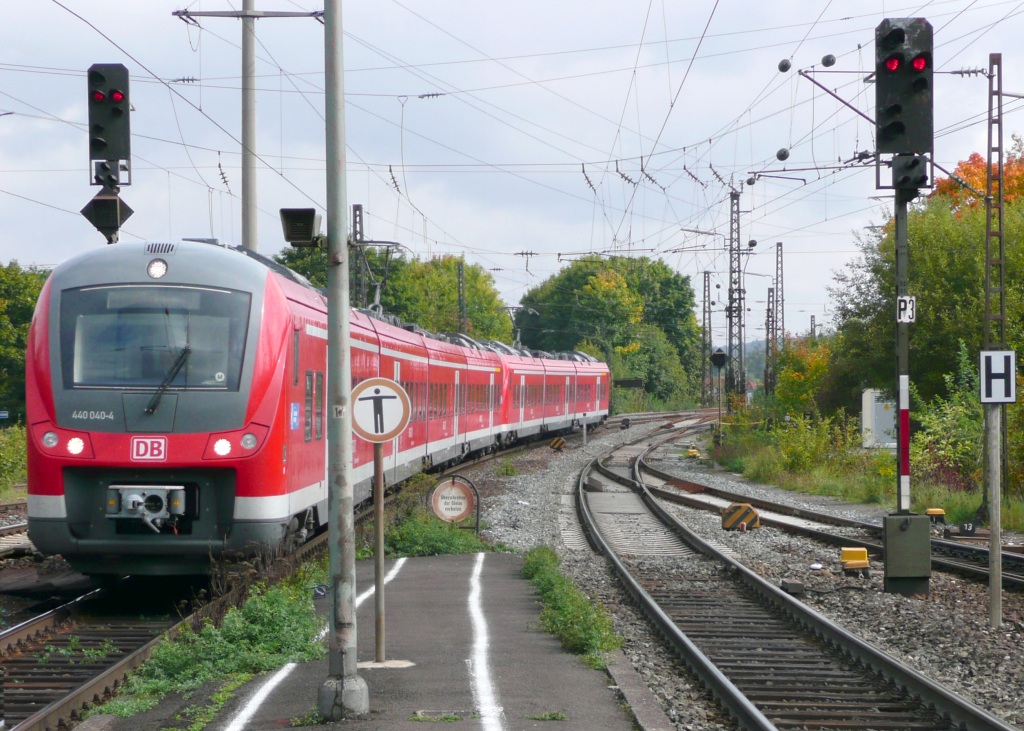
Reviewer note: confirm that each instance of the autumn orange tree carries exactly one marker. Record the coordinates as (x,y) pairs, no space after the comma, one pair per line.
(973,171)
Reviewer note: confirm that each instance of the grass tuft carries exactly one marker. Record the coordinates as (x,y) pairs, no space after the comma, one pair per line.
(581,626)
(276,625)
(423,534)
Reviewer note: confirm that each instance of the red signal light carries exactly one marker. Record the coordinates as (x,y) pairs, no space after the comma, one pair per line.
(98,96)
(893,63)
(919,64)
(117,96)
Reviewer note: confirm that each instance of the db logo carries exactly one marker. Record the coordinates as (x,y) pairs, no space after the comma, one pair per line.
(149,449)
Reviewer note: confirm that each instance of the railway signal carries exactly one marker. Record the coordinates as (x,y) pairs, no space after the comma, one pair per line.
(110,136)
(909,172)
(903,86)
(107,212)
(110,146)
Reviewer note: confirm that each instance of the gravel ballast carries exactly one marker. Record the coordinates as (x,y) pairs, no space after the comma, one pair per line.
(945,636)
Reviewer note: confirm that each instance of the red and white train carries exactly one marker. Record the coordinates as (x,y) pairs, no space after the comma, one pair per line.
(176,405)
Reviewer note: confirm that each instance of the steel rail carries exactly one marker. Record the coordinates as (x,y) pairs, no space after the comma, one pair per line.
(959,710)
(972,561)
(731,698)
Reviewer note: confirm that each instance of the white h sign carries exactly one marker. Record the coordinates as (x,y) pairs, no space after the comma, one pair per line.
(998,376)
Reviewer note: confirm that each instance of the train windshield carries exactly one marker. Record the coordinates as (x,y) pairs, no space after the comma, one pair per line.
(134,336)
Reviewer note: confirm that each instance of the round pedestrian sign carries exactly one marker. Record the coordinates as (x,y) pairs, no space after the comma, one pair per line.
(380,409)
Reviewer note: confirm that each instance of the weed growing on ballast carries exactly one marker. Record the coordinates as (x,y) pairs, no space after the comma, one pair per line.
(581,626)
(277,625)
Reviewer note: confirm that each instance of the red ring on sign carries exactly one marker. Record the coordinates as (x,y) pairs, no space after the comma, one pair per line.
(448,487)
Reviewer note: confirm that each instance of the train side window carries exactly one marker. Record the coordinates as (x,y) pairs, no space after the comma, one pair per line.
(308,422)
(318,388)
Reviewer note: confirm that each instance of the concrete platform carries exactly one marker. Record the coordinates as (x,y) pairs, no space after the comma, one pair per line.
(457,647)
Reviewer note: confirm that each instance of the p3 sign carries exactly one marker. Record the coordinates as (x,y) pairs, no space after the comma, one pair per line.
(149,449)
(906,309)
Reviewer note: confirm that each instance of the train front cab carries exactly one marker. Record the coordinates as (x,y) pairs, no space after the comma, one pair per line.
(150,404)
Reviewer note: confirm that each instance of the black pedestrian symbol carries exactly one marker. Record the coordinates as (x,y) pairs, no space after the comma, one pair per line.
(378,409)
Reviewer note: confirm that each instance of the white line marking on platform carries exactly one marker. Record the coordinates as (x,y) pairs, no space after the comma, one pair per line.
(250,708)
(483,688)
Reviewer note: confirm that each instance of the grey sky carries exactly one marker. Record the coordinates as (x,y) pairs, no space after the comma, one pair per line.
(518,134)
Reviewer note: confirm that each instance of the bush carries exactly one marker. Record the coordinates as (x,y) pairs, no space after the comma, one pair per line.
(579,625)
(276,626)
(13,470)
(423,534)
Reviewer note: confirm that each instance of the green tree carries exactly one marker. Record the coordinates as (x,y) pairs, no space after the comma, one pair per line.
(19,291)
(421,292)
(614,307)
(426,292)
(947,269)
(802,367)
(369,268)
(948,445)
(651,357)
(563,319)
(309,261)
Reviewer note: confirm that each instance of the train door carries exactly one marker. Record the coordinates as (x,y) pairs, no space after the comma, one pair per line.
(566,397)
(490,405)
(522,400)
(394,444)
(456,411)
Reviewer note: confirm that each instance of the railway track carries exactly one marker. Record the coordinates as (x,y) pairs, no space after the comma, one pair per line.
(969,560)
(84,645)
(75,656)
(770,661)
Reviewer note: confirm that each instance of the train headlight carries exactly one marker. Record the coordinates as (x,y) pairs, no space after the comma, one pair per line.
(63,442)
(156,268)
(241,444)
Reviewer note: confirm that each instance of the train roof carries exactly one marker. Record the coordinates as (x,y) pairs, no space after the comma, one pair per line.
(210,263)
(187,261)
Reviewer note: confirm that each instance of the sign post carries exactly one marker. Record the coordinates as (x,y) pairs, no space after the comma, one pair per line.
(380,412)
(998,384)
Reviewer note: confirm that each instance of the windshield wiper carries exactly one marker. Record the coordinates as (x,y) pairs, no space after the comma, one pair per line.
(182,357)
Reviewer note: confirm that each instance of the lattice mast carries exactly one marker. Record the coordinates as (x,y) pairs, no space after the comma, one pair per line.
(736,379)
(706,374)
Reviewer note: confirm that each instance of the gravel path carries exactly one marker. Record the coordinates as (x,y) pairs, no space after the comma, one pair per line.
(944,636)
